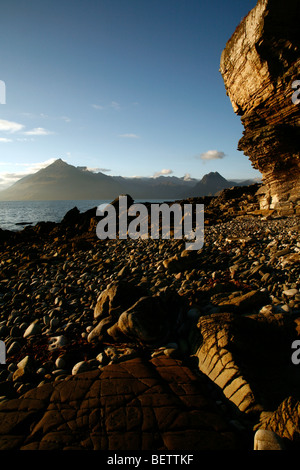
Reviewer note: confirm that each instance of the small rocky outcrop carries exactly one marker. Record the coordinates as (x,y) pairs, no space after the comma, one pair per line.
(248,357)
(259,65)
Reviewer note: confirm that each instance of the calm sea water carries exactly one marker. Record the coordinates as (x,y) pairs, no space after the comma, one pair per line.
(15,215)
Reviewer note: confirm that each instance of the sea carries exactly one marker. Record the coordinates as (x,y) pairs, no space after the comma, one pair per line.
(15,215)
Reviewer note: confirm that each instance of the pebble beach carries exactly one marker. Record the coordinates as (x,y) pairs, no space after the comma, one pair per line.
(49,292)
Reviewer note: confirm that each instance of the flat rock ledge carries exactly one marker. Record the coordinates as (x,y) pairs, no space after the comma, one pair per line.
(133,405)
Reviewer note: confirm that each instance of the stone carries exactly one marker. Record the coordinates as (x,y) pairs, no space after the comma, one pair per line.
(80,367)
(14,348)
(100,331)
(118,296)
(57,342)
(33,329)
(254,299)
(25,369)
(267,440)
(145,321)
(291,292)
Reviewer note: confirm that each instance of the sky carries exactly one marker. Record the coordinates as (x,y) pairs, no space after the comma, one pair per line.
(126,87)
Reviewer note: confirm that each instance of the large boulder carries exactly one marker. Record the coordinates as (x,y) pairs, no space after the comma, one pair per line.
(249,358)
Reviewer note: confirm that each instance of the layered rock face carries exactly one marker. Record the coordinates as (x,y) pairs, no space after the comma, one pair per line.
(260,65)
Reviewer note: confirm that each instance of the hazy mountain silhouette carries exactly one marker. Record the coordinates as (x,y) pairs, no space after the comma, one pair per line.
(210,184)
(61,181)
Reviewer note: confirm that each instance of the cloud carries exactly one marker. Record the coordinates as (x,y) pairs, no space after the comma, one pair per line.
(7,179)
(3,139)
(129,136)
(102,170)
(187,177)
(38,131)
(9,126)
(34,167)
(115,105)
(94,170)
(65,118)
(97,106)
(211,155)
(163,172)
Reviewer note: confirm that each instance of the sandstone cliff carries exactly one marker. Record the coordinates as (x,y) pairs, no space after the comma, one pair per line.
(259,65)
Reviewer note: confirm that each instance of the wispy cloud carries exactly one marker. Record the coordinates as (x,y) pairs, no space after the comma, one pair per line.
(34,167)
(10,126)
(38,131)
(98,170)
(97,106)
(115,105)
(9,178)
(211,155)
(112,105)
(129,136)
(102,170)
(65,118)
(5,140)
(163,172)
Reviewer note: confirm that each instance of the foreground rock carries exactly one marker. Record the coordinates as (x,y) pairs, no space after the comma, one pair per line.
(135,405)
(249,358)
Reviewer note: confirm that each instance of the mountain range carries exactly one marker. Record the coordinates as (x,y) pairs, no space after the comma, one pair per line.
(61,181)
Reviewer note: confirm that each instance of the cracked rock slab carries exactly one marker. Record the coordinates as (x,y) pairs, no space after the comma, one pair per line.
(134,405)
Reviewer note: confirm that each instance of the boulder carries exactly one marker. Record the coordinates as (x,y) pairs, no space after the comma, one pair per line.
(145,322)
(249,358)
(117,297)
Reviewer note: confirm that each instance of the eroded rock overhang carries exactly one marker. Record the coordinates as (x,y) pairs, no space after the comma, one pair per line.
(259,65)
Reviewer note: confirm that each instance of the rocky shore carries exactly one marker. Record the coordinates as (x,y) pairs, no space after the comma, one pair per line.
(143,345)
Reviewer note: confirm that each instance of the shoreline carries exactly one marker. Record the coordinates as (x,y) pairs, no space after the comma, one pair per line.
(74,306)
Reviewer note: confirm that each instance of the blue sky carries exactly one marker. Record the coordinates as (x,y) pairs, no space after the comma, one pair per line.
(127,87)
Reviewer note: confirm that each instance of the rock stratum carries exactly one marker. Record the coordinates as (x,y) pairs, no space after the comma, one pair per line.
(259,65)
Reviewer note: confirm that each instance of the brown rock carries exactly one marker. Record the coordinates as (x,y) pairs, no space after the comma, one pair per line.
(133,405)
(117,297)
(249,358)
(247,302)
(259,65)
(284,421)
(146,321)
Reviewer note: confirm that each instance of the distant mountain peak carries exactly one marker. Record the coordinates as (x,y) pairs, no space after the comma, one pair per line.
(213,176)
(59,161)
